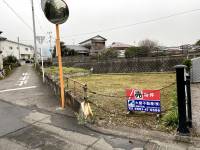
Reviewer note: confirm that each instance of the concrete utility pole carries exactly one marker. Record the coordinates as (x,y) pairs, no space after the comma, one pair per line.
(18,48)
(34,32)
(50,43)
(50,38)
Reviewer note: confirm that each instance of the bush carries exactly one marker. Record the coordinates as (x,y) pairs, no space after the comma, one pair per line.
(10,61)
(188,63)
(171,117)
(136,52)
(109,53)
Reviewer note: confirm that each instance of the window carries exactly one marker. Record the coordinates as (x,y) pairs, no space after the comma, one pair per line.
(17,47)
(10,47)
(26,49)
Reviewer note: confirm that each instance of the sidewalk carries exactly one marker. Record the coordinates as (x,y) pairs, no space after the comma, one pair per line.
(195,91)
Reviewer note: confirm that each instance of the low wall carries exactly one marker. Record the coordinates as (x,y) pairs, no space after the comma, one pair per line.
(70,100)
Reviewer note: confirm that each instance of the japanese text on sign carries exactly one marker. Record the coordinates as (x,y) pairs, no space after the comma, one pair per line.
(143,100)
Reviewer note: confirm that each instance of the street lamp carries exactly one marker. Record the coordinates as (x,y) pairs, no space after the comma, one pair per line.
(57,12)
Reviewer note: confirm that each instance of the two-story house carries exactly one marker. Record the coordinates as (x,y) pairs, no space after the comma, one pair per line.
(19,50)
(95,44)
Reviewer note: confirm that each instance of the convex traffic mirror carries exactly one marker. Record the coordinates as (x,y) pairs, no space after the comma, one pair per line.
(56,11)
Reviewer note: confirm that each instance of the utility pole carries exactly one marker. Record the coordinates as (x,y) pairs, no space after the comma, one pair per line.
(18,48)
(50,40)
(34,31)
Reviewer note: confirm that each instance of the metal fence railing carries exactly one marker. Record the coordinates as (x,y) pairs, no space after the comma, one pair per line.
(77,89)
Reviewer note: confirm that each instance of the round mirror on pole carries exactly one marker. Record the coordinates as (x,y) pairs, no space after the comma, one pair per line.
(56,11)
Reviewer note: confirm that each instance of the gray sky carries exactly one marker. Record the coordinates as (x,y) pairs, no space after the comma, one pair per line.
(88,16)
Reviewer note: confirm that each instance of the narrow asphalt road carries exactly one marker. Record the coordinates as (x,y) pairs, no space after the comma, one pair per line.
(30,119)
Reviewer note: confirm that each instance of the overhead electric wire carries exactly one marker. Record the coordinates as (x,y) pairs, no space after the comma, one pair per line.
(135,24)
(18,16)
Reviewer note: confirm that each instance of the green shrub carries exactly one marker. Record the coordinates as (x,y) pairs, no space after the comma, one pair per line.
(136,52)
(108,53)
(10,61)
(171,117)
(188,63)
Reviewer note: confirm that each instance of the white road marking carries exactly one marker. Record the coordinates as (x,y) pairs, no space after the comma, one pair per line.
(17,89)
(23,80)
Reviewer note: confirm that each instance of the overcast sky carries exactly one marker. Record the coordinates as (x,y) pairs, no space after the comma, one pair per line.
(88,16)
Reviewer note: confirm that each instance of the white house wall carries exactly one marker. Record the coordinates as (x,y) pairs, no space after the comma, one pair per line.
(11,48)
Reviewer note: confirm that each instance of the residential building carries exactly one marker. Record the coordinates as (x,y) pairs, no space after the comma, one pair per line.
(81,50)
(19,50)
(95,44)
(120,48)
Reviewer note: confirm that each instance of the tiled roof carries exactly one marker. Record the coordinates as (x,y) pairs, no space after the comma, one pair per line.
(118,45)
(77,48)
(95,37)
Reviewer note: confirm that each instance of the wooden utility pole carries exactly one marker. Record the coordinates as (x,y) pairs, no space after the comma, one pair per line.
(58,49)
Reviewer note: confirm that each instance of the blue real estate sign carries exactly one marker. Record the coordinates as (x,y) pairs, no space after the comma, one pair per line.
(143,100)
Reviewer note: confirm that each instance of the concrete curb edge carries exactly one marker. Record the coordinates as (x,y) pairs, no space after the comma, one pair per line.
(146,135)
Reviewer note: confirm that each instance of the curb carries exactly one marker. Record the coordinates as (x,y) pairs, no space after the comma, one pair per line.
(145,135)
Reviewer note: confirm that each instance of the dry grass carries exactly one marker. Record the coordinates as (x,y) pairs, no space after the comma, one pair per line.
(70,70)
(115,84)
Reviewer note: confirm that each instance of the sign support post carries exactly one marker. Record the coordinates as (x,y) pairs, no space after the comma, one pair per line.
(40,40)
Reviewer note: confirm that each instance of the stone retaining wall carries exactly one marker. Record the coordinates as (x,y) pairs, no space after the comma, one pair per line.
(70,100)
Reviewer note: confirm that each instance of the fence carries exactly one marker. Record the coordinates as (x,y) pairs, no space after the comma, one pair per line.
(146,64)
(77,89)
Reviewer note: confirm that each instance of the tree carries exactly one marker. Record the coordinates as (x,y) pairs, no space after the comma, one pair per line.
(148,46)
(136,52)
(148,43)
(64,50)
(197,43)
(109,53)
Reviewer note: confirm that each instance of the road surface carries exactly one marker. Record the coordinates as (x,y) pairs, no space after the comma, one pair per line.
(30,119)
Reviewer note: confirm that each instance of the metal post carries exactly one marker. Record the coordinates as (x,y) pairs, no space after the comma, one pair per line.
(189,103)
(34,32)
(180,79)
(85,92)
(74,88)
(67,83)
(60,66)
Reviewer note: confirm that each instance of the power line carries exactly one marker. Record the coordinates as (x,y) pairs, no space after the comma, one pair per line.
(19,17)
(135,24)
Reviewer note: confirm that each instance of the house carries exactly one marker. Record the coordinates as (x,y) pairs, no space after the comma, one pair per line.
(120,48)
(95,44)
(173,50)
(19,50)
(79,49)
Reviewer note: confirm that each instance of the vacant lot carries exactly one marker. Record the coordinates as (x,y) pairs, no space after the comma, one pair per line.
(107,93)
(111,101)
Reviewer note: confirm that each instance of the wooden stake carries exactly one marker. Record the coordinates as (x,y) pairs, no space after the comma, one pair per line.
(62,100)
